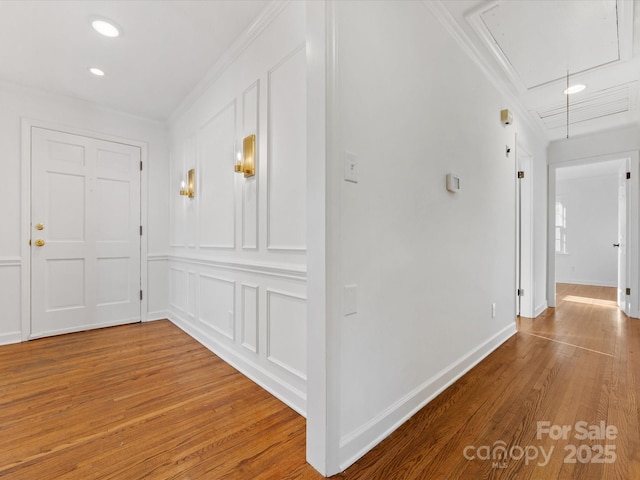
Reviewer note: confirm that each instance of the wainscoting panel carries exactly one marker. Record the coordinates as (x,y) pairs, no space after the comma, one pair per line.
(192,288)
(216,300)
(183,209)
(287,171)
(251,232)
(268,340)
(177,289)
(287,332)
(250,125)
(216,181)
(250,316)
(10,297)
(157,286)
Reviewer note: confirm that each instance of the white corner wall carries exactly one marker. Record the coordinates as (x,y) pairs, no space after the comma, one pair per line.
(592,229)
(237,267)
(410,106)
(18,103)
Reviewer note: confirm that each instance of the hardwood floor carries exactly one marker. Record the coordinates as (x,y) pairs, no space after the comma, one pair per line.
(578,362)
(138,401)
(147,401)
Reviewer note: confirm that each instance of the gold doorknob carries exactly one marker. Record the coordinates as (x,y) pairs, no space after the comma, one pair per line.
(39,226)
(39,242)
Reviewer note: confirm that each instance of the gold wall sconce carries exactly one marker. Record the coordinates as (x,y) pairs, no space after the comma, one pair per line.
(247,162)
(189,190)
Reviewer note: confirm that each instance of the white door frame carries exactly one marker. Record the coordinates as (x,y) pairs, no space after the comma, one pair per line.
(633,240)
(25,213)
(524,233)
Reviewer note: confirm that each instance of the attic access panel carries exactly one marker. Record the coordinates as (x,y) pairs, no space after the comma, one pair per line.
(536,41)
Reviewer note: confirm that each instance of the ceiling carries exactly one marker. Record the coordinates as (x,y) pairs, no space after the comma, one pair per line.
(528,46)
(167,47)
(164,50)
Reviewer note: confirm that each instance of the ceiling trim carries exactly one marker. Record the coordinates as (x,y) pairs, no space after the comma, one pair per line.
(474,17)
(268,15)
(462,39)
(625,22)
(624,12)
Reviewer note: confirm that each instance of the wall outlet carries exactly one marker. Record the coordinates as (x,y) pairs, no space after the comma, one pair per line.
(493,310)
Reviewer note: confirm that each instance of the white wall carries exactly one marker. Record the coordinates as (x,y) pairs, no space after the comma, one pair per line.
(594,145)
(592,227)
(237,269)
(427,264)
(16,103)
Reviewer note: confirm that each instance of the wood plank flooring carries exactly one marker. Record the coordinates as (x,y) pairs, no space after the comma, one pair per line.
(147,401)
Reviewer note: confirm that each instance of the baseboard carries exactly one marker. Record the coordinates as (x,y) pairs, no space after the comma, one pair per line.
(539,309)
(356,444)
(159,315)
(593,283)
(291,396)
(11,337)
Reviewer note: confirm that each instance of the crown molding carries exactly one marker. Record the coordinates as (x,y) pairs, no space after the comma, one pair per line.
(445,18)
(268,15)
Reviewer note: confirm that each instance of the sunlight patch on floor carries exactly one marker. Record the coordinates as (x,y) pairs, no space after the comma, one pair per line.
(591,301)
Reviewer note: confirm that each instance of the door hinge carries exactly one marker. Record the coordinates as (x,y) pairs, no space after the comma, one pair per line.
(521,292)
(520,174)
(140,165)
(140,230)
(628,291)
(628,175)
(140,294)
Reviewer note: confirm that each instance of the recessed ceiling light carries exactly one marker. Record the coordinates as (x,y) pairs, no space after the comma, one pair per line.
(105,28)
(97,72)
(578,87)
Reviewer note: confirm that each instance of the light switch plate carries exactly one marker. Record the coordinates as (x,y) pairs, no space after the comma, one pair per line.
(350,167)
(350,299)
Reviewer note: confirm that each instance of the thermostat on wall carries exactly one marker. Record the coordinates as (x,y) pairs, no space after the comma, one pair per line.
(453,183)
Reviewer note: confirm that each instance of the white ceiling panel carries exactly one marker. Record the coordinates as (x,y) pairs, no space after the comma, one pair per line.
(526,47)
(542,40)
(618,99)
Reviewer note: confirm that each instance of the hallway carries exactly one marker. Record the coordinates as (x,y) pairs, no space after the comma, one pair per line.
(577,363)
(147,401)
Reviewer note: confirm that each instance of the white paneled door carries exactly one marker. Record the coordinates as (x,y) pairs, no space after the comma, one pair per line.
(85,233)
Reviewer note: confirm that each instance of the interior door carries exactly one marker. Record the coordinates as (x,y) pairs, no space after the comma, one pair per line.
(85,233)
(623,195)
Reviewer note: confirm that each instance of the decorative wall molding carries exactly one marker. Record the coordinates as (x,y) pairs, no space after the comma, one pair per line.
(211,310)
(177,279)
(267,16)
(277,357)
(249,316)
(250,187)
(290,272)
(357,443)
(216,203)
(10,262)
(157,257)
(289,247)
(275,385)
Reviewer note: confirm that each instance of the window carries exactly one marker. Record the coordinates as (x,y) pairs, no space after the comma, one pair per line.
(561,225)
